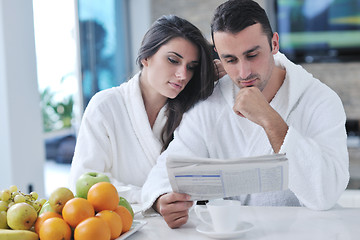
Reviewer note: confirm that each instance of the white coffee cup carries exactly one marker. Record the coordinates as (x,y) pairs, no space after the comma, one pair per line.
(224,214)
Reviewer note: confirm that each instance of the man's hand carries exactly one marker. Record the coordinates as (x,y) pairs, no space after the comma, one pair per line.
(174,208)
(251,104)
(219,69)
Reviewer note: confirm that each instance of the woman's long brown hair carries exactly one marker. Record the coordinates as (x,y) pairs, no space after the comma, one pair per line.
(202,83)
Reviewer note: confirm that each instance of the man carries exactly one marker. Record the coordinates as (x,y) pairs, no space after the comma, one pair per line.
(266,104)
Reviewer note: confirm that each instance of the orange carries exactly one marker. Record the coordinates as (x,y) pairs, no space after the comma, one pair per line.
(77,209)
(93,228)
(113,220)
(103,196)
(126,217)
(55,229)
(44,216)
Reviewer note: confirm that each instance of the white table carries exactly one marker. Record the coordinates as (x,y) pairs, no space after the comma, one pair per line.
(270,223)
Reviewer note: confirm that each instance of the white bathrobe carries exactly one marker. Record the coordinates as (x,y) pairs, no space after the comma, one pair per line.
(116,138)
(315,143)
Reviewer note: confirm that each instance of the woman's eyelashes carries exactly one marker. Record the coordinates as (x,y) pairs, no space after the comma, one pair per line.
(190,67)
(172,60)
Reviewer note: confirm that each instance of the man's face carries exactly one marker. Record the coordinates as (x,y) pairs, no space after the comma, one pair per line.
(246,56)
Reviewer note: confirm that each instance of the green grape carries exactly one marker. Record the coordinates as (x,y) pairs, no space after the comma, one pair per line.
(3,221)
(13,188)
(37,205)
(10,204)
(28,197)
(34,195)
(19,198)
(14,194)
(3,206)
(5,195)
(42,201)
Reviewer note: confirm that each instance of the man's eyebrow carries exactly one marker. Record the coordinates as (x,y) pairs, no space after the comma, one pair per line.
(227,56)
(244,53)
(251,50)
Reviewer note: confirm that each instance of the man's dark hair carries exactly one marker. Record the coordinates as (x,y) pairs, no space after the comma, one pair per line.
(235,15)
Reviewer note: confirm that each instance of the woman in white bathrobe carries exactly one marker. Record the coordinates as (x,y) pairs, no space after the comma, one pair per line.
(124,129)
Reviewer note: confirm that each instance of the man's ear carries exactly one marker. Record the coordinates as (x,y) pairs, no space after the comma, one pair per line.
(275,43)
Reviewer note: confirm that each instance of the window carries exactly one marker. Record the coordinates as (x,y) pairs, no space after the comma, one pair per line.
(104,45)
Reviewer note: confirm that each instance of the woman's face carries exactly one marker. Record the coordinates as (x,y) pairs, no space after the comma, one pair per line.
(167,72)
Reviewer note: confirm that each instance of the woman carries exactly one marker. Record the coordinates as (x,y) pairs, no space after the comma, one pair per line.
(124,129)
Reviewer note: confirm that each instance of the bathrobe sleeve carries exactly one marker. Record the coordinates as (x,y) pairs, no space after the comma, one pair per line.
(316,146)
(188,141)
(115,138)
(94,150)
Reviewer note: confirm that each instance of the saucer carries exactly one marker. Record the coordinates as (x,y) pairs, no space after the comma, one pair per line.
(242,228)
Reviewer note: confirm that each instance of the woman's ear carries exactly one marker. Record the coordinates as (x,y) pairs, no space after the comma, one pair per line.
(144,62)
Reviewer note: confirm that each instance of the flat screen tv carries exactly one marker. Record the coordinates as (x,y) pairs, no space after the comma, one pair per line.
(319,30)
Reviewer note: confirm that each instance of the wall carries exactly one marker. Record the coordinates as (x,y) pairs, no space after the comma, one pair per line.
(344,79)
(198,12)
(139,23)
(21,143)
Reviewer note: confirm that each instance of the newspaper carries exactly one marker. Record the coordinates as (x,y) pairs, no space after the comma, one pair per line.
(208,178)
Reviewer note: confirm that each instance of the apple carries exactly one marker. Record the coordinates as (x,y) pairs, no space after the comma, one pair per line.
(21,216)
(59,197)
(125,203)
(3,221)
(86,180)
(46,208)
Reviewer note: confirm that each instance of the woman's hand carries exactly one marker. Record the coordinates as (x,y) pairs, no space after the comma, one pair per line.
(219,69)
(174,207)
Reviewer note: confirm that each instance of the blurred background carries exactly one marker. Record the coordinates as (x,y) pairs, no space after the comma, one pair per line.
(56,54)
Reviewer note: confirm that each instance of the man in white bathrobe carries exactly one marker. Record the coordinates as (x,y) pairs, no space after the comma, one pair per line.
(266,104)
